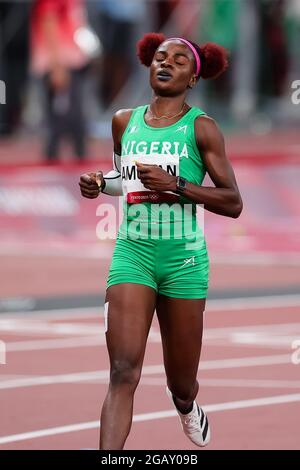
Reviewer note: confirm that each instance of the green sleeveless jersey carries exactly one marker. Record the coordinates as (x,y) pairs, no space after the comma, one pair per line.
(160,214)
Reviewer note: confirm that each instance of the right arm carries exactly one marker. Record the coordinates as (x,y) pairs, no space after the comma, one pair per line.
(91,184)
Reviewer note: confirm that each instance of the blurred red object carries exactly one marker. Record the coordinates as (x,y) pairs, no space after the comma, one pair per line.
(69,16)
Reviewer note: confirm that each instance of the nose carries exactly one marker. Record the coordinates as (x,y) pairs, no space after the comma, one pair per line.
(166,62)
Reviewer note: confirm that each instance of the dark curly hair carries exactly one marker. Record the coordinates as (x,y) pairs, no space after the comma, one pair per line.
(214,58)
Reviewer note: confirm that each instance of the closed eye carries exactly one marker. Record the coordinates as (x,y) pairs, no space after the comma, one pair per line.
(180,59)
(159,57)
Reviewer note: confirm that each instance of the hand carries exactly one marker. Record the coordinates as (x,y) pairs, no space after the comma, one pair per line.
(91,184)
(155,178)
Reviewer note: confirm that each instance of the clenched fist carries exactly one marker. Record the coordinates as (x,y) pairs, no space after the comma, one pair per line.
(155,178)
(91,184)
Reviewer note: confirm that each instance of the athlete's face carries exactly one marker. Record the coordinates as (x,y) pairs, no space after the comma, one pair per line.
(173,69)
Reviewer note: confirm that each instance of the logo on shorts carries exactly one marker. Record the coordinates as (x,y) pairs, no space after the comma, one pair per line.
(189,261)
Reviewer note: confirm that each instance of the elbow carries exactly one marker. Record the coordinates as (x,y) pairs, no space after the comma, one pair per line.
(237,209)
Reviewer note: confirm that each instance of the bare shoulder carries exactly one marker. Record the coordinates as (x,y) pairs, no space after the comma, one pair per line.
(121,118)
(119,123)
(206,130)
(207,124)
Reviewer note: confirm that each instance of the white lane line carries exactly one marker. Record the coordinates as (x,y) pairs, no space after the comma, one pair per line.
(57,314)
(96,340)
(216,305)
(49,328)
(49,432)
(33,327)
(234,405)
(257,335)
(69,378)
(246,362)
(261,259)
(59,250)
(73,329)
(230,383)
(245,383)
(65,329)
(271,328)
(264,336)
(151,369)
(60,343)
(252,303)
(263,340)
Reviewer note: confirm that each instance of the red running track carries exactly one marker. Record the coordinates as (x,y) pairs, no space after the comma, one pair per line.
(55,380)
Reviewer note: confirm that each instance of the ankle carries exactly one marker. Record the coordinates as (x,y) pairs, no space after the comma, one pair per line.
(184,407)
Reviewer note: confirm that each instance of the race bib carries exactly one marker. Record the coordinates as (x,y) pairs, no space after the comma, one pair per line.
(133,189)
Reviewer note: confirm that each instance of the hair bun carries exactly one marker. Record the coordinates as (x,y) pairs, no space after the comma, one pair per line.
(147,46)
(214,60)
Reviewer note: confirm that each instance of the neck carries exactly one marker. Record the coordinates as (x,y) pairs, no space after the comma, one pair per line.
(167,105)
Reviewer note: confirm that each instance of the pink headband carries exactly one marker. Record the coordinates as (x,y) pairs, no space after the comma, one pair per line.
(196,55)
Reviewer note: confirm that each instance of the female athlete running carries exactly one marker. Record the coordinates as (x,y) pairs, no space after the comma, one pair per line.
(161,154)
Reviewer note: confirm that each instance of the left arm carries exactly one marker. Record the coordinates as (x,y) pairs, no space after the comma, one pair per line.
(224,198)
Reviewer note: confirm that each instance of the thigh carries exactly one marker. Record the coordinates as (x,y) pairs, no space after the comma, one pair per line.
(181,325)
(133,261)
(184,273)
(130,309)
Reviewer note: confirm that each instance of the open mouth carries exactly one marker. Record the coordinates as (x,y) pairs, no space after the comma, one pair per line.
(164,76)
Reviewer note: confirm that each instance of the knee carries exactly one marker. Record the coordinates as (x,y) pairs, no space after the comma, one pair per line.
(124,373)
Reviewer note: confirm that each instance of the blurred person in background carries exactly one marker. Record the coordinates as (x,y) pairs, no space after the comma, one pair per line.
(117,23)
(293,33)
(219,21)
(258,26)
(61,63)
(14,56)
(274,48)
(163,11)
